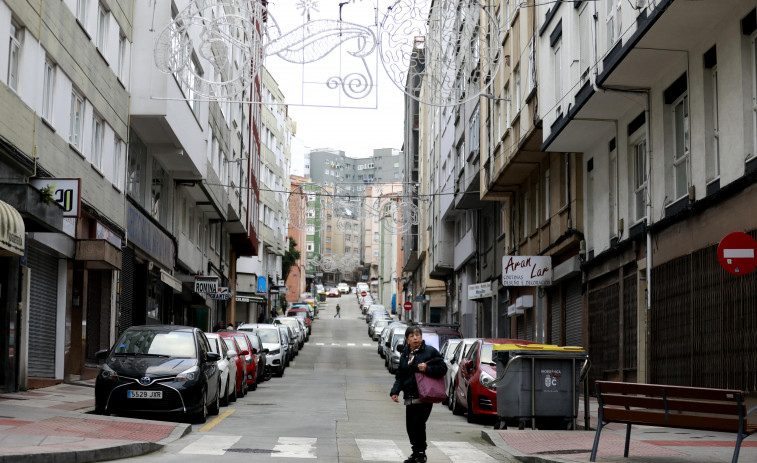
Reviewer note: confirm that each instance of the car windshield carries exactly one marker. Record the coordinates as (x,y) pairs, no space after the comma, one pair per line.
(486,354)
(268,335)
(214,346)
(444,337)
(230,344)
(397,338)
(451,348)
(242,341)
(291,322)
(148,342)
(381,322)
(298,314)
(254,341)
(432,339)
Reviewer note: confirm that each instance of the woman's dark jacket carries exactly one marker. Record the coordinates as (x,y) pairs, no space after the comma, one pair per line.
(405,378)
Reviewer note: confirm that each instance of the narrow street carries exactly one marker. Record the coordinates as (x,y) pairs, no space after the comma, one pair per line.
(331,405)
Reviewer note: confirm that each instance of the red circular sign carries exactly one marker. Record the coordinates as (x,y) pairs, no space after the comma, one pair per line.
(363,294)
(408,305)
(737,252)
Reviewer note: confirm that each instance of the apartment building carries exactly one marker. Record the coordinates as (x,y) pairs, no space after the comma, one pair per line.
(658,96)
(296,280)
(277,129)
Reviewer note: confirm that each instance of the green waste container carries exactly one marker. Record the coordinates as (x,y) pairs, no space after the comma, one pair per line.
(538,385)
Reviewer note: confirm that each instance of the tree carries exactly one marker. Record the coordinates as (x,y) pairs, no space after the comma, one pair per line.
(290,257)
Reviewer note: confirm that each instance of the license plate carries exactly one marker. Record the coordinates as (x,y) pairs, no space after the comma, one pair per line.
(144,394)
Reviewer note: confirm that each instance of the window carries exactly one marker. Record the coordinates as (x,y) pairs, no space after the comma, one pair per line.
(526,205)
(585,42)
(564,180)
(557,67)
(77,112)
(118,147)
(81,11)
(612,21)
(531,67)
(48,86)
(612,200)
(754,94)
(639,172)
(98,131)
(507,107)
(347,249)
(375,253)
(681,144)
(375,237)
(16,35)
(711,117)
(213,237)
(309,247)
(517,88)
(102,28)
(546,195)
(121,59)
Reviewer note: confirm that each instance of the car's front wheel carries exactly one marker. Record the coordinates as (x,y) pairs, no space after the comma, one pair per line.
(216,407)
(202,415)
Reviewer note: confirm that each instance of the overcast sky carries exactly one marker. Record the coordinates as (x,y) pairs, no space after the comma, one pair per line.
(329,118)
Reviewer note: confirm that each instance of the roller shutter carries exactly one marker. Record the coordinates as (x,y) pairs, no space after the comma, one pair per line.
(573,313)
(43,311)
(529,314)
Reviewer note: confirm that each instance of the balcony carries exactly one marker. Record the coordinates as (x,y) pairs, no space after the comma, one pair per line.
(188,255)
(465,249)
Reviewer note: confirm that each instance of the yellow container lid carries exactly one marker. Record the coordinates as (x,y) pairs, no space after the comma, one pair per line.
(538,347)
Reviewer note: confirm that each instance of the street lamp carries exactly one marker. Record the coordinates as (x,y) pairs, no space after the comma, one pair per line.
(492,97)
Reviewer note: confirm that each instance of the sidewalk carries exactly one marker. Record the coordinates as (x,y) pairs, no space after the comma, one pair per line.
(52,424)
(648,444)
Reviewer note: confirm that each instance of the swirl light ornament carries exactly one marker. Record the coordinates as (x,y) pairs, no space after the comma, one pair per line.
(442,41)
(223,32)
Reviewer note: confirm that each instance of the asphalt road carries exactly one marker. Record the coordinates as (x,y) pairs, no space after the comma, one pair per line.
(331,405)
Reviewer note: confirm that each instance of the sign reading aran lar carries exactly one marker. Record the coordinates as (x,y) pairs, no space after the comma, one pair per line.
(526,270)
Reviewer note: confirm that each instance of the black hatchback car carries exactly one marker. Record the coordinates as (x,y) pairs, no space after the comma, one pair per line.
(159,369)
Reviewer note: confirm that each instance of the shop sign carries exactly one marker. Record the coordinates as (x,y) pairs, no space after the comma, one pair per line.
(262,284)
(66,192)
(206,285)
(480,290)
(526,270)
(222,294)
(250,299)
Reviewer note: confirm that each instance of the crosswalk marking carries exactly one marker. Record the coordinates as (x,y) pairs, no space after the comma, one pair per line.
(379,450)
(463,452)
(295,447)
(211,445)
(349,344)
(365,344)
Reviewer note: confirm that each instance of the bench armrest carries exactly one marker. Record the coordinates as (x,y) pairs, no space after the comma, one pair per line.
(750,411)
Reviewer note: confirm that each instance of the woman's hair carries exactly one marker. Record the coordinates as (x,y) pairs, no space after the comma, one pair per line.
(413,329)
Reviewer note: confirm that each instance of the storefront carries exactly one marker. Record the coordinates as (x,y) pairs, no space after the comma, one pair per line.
(12,245)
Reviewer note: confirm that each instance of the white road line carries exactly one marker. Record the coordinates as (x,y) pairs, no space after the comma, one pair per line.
(365,344)
(319,344)
(295,447)
(350,343)
(211,445)
(379,450)
(463,452)
(334,344)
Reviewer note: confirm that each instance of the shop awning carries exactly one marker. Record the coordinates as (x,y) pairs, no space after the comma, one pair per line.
(12,231)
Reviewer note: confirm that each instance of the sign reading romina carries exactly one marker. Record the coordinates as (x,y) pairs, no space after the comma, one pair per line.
(526,270)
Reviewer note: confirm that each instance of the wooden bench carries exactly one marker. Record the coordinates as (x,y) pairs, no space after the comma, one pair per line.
(673,407)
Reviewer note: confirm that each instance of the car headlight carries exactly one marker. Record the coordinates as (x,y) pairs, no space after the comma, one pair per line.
(275,352)
(108,373)
(485,378)
(188,375)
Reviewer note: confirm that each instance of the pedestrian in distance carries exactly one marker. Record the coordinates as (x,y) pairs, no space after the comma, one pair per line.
(338,312)
(417,357)
(218,327)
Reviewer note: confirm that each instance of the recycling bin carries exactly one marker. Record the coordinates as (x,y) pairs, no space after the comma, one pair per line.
(322,297)
(538,385)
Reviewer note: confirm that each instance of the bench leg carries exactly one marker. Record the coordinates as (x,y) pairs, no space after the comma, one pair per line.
(738,447)
(628,439)
(596,442)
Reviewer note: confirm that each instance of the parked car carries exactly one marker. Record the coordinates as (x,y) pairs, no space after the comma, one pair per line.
(455,351)
(385,337)
(289,342)
(302,312)
(227,366)
(159,369)
(366,302)
(303,327)
(343,288)
(271,338)
(263,373)
(292,322)
(391,352)
(470,395)
(250,360)
(374,329)
(239,360)
(436,334)
(373,309)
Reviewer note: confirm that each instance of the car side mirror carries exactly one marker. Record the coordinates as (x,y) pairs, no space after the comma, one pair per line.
(213,357)
(387,344)
(400,347)
(231,353)
(469,366)
(102,354)
(254,350)
(245,352)
(265,351)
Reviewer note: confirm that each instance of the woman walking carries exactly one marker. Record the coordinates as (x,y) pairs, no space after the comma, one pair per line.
(417,357)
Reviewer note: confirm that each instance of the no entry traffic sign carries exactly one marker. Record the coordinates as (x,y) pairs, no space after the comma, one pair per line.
(736,253)
(363,294)
(408,305)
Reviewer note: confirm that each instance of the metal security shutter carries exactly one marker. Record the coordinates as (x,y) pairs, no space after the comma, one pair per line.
(43,308)
(554,334)
(573,313)
(519,327)
(127,289)
(529,313)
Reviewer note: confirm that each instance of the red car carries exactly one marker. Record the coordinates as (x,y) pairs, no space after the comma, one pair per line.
(470,395)
(250,359)
(232,344)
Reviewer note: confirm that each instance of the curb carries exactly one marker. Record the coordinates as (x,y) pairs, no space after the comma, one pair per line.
(496,440)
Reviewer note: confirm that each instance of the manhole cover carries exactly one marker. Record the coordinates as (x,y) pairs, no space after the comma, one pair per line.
(563,452)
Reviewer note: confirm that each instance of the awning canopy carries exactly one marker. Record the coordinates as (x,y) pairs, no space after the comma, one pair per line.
(12,231)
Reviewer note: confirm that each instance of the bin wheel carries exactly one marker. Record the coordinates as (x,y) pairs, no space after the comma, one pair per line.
(521,426)
(500,424)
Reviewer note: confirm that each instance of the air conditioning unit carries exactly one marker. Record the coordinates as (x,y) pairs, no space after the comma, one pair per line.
(512,310)
(524,302)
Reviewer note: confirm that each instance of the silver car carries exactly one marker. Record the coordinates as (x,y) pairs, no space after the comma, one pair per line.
(374,329)
(272,341)
(384,337)
(391,354)
(453,364)
(292,323)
